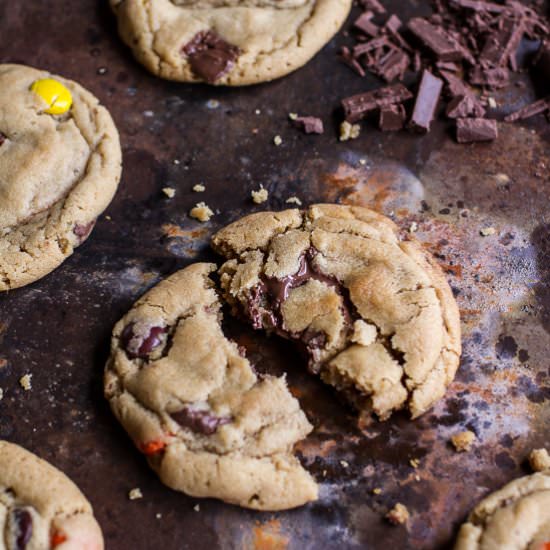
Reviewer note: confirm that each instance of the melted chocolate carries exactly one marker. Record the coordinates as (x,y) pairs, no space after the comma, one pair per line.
(83,231)
(2,139)
(199,421)
(136,346)
(210,56)
(23,528)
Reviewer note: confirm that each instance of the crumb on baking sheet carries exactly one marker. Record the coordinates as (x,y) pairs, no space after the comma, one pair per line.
(487,231)
(349,131)
(197,508)
(462,441)
(539,460)
(344,464)
(377,491)
(199,188)
(1,394)
(201,212)
(277,140)
(158,516)
(502,178)
(414,462)
(25,382)
(292,116)
(170,192)
(492,102)
(398,514)
(259,196)
(294,200)
(135,494)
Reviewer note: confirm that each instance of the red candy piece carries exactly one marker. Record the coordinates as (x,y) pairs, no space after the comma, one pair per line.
(152,447)
(58,538)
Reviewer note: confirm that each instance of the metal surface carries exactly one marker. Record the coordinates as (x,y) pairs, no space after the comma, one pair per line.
(58,329)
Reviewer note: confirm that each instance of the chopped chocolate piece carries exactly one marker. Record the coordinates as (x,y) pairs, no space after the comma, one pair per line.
(469,130)
(464,107)
(436,39)
(392,26)
(502,44)
(210,56)
(455,85)
(347,57)
(83,231)
(426,102)
(23,527)
(358,106)
(393,65)
(199,421)
(530,110)
(498,77)
(373,44)
(139,341)
(373,5)
(479,5)
(447,66)
(392,118)
(364,24)
(309,124)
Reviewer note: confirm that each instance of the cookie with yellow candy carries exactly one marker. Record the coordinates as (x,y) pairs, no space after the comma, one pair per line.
(60,165)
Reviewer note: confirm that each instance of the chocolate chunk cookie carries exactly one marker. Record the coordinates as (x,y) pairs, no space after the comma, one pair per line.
(193,404)
(40,507)
(515,518)
(60,164)
(230,42)
(371,310)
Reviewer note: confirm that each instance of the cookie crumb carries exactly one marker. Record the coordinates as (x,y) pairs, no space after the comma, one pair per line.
(277,140)
(413,227)
(462,442)
(176,162)
(362,162)
(292,116)
(25,382)
(377,491)
(492,102)
(363,333)
(417,477)
(1,394)
(135,494)
(487,231)
(414,462)
(158,516)
(502,178)
(259,196)
(170,192)
(398,514)
(344,464)
(201,212)
(258,112)
(199,188)
(294,200)
(324,473)
(349,131)
(539,460)
(197,508)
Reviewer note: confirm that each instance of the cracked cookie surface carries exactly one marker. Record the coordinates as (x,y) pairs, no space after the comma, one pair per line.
(517,517)
(57,174)
(229,42)
(40,507)
(193,404)
(370,308)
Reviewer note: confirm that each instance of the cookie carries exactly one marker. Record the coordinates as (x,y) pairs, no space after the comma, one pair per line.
(515,518)
(193,404)
(60,164)
(372,311)
(230,42)
(40,507)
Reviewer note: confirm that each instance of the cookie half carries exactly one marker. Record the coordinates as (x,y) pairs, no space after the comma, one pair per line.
(193,404)
(230,42)
(372,311)
(40,507)
(515,518)
(60,165)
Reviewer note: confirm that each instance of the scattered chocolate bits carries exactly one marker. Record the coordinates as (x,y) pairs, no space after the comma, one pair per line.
(309,124)
(436,39)
(199,421)
(470,130)
(210,56)
(535,108)
(426,102)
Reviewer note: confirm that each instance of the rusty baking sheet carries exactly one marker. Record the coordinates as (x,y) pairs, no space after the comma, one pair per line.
(177,135)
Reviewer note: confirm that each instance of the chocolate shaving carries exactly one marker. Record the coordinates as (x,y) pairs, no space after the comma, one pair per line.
(469,130)
(210,56)
(358,106)
(426,102)
(436,39)
(199,421)
(530,110)
(309,124)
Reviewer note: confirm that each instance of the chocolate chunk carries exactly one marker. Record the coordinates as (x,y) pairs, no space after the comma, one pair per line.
(392,26)
(455,85)
(392,118)
(373,5)
(139,340)
(364,24)
(478,5)
(22,527)
(393,65)
(498,77)
(358,106)
(470,130)
(83,231)
(349,59)
(502,44)
(530,110)
(374,44)
(199,421)
(210,56)
(426,102)
(436,39)
(309,124)
(464,107)
(447,66)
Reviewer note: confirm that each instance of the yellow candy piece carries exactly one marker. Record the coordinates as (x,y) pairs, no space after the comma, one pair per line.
(54,94)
